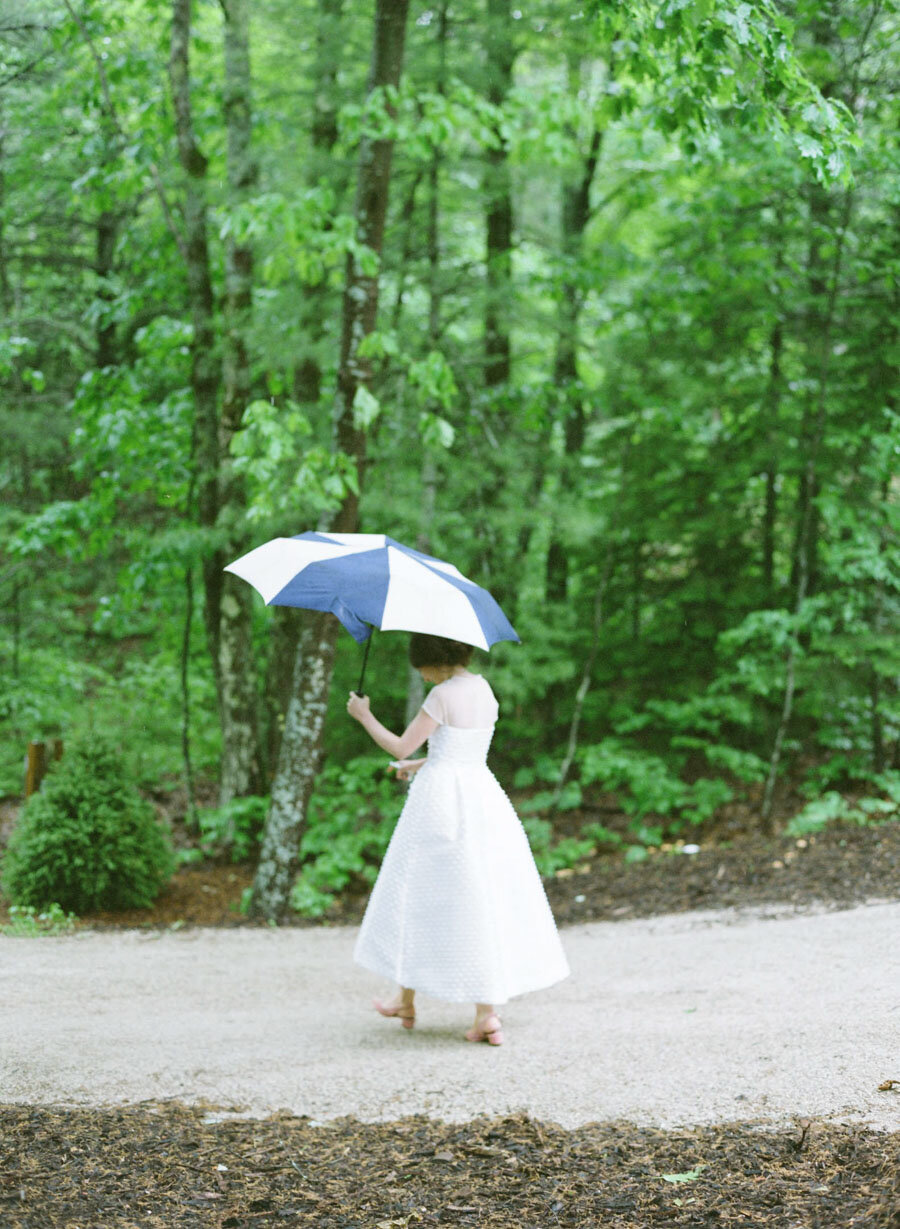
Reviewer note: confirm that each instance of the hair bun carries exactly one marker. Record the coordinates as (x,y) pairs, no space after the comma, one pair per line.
(425,650)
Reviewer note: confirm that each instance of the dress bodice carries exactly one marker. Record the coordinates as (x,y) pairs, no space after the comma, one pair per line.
(457,746)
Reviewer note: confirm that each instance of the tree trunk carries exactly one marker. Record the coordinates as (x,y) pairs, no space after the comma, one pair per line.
(500,58)
(287,625)
(107,234)
(823,282)
(324,134)
(771,505)
(773,405)
(415,689)
(298,763)
(241,759)
(301,745)
(574,217)
(205,372)
(5,289)
(499,214)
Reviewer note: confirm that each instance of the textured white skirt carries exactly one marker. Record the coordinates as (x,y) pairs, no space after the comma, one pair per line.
(458,910)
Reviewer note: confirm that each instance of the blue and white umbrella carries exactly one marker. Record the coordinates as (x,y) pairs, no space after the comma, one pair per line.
(369,580)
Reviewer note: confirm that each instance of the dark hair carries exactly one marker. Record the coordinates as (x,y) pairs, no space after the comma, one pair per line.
(436,651)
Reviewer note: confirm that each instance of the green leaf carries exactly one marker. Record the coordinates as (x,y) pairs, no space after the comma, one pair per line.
(689,1175)
(436,432)
(366,408)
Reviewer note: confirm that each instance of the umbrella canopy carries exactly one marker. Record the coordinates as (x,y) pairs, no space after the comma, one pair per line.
(369,580)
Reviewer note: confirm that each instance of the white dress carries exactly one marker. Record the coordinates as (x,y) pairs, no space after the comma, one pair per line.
(458,910)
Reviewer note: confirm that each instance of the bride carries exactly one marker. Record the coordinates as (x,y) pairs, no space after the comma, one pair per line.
(458,910)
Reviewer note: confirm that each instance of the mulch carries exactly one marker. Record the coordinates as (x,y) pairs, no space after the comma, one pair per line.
(841,866)
(167,1165)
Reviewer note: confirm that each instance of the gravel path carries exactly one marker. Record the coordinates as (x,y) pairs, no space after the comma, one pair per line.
(677,1020)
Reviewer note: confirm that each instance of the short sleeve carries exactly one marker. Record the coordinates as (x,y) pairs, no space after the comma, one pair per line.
(434,705)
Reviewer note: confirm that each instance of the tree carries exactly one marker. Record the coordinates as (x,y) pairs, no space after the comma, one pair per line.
(301,742)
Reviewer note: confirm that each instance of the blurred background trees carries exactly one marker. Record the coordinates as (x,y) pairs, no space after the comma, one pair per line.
(634,368)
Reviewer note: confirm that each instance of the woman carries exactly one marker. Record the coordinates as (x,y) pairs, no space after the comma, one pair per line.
(458,910)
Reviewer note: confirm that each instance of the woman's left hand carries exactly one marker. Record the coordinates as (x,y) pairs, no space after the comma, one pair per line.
(358,706)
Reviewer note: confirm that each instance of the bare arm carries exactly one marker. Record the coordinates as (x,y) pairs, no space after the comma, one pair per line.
(399,746)
(405,769)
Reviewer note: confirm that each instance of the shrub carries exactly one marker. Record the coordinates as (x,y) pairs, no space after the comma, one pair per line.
(87,840)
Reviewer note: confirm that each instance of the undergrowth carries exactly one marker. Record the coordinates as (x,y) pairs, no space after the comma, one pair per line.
(355,807)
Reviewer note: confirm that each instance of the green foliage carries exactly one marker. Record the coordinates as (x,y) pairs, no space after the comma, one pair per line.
(833,807)
(570,798)
(27,922)
(289,472)
(552,856)
(352,814)
(234,828)
(53,694)
(86,840)
(647,785)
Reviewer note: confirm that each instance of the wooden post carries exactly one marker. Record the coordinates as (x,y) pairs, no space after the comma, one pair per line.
(37,762)
(35,767)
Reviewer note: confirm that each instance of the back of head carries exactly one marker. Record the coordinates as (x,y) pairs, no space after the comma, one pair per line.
(427,650)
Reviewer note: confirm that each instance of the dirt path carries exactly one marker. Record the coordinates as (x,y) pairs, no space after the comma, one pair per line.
(686,1019)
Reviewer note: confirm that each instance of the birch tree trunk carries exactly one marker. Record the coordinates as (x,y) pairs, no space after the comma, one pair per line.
(301,744)
(240,727)
(287,624)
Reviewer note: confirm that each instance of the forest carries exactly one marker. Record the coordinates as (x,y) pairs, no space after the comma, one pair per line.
(598,301)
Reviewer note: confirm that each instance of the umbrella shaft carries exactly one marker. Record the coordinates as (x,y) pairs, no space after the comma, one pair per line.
(362,677)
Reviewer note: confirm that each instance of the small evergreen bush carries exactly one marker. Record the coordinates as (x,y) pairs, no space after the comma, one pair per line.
(87,840)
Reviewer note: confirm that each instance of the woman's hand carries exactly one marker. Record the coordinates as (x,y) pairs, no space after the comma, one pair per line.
(358,706)
(405,768)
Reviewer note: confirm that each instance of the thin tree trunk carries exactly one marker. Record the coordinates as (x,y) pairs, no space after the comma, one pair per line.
(499,213)
(186,698)
(241,759)
(205,363)
(415,691)
(106,237)
(501,53)
(776,346)
(301,745)
(596,628)
(823,285)
(324,134)
(586,675)
(787,704)
(574,217)
(5,289)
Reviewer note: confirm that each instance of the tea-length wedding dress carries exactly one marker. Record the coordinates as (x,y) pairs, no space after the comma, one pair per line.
(458,910)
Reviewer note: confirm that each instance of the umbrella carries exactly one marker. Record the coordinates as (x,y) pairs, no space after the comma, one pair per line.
(370,580)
